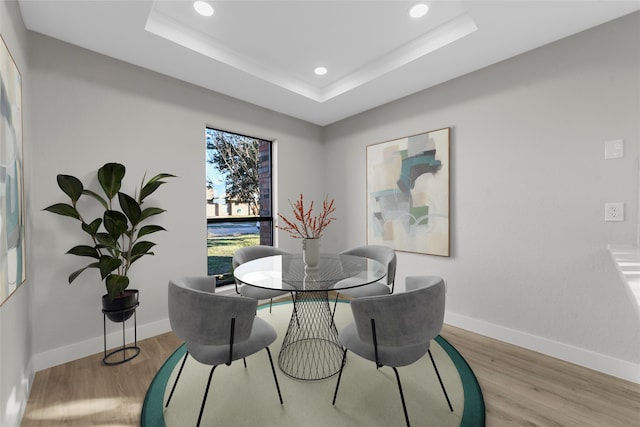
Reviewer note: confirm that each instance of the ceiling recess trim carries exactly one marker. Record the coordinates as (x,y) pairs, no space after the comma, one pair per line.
(162,25)
(439,37)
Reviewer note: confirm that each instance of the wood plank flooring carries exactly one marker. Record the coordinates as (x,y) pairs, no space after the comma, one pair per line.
(525,388)
(520,388)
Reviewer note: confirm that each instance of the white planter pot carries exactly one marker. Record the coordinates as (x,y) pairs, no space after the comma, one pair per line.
(311,252)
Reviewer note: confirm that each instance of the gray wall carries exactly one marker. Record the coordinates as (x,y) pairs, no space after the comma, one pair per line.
(89,109)
(529,181)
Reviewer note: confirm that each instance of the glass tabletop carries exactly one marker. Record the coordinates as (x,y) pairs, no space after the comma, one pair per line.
(288,272)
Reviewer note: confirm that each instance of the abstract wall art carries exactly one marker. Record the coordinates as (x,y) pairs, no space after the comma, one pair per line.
(408,193)
(12,244)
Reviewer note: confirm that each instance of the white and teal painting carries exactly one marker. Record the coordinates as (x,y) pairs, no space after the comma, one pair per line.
(12,244)
(408,193)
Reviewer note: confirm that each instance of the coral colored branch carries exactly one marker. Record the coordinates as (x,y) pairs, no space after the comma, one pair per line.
(306,225)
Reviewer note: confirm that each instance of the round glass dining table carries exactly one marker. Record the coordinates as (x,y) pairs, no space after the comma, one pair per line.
(311,349)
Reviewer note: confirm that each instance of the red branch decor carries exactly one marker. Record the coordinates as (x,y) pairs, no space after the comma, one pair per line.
(306,225)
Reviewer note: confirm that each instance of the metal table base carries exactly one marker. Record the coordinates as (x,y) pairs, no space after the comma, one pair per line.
(311,349)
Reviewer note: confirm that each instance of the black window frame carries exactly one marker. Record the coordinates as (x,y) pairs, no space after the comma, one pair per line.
(265,217)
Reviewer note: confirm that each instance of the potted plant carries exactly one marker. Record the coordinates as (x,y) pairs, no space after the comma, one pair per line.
(116,235)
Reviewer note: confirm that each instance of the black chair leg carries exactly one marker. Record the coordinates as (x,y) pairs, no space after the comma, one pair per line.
(433,362)
(270,304)
(404,406)
(176,381)
(275,377)
(204,399)
(335,393)
(335,305)
(244,359)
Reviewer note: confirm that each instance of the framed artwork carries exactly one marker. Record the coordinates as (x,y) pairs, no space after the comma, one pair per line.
(408,193)
(12,244)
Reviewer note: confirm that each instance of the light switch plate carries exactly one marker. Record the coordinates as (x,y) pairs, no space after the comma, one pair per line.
(614,149)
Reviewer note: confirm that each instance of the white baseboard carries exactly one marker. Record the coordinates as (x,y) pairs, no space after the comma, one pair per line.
(579,356)
(599,362)
(95,345)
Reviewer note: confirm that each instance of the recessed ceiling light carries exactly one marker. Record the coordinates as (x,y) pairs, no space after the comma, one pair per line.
(419,10)
(320,71)
(203,8)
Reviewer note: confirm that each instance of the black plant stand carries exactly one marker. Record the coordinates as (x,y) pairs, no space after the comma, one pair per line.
(125,313)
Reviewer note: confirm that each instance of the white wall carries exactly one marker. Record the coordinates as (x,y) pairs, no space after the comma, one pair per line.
(16,323)
(89,109)
(529,181)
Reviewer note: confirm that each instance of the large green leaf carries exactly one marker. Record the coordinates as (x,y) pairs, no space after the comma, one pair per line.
(84,250)
(148,229)
(108,264)
(148,212)
(152,185)
(130,207)
(71,186)
(107,241)
(149,188)
(115,223)
(64,210)
(110,177)
(116,284)
(93,227)
(141,248)
(76,273)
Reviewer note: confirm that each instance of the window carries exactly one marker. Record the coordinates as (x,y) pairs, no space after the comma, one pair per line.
(238,198)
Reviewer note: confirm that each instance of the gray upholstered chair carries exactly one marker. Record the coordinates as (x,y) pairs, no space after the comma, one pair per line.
(396,330)
(217,329)
(249,253)
(384,255)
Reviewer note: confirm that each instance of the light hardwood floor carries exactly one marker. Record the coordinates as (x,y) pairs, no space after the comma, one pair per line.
(520,388)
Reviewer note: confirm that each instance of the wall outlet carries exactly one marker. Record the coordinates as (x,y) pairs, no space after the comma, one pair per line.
(614,211)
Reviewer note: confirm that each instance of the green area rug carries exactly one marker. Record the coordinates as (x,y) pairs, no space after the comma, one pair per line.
(367,396)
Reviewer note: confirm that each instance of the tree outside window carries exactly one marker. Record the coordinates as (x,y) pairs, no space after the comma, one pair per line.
(238,197)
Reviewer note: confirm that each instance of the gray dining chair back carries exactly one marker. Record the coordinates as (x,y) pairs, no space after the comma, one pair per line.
(202,317)
(249,253)
(217,329)
(385,256)
(201,283)
(408,319)
(396,330)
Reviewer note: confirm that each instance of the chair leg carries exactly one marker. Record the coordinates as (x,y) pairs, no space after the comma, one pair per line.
(204,399)
(404,406)
(335,393)
(244,359)
(173,388)
(335,305)
(273,369)
(270,304)
(433,362)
